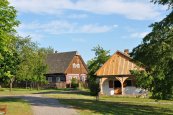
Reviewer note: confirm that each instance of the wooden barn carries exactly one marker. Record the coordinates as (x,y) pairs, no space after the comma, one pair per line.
(64,66)
(115,74)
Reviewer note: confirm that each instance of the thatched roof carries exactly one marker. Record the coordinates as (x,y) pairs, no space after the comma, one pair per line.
(58,62)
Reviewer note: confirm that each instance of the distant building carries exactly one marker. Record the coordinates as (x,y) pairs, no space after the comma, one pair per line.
(115,76)
(63,66)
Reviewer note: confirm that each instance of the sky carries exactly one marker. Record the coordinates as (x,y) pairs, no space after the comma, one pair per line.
(80,25)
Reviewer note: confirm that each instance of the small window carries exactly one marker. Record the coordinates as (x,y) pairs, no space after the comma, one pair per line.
(111,84)
(49,79)
(62,78)
(129,82)
(57,79)
(83,78)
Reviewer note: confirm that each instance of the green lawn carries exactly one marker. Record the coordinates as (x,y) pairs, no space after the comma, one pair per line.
(20,91)
(16,106)
(86,105)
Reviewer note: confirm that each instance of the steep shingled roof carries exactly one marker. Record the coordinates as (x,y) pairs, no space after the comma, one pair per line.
(58,62)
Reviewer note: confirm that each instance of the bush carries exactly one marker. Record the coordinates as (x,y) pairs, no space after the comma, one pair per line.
(74,83)
(94,88)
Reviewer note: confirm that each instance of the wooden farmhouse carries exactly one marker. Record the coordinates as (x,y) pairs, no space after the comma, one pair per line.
(115,74)
(62,67)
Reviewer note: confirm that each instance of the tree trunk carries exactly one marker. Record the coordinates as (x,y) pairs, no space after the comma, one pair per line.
(26,84)
(38,86)
(97,98)
(11,85)
(31,86)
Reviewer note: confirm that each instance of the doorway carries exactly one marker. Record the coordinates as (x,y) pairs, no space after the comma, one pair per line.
(117,87)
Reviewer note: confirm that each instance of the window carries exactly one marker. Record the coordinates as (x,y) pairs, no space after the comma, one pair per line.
(49,79)
(62,78)
(111,84)
(129,82)
(58,79)
(83,78)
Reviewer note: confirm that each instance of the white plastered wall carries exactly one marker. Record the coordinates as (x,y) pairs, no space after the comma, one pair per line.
(106,89)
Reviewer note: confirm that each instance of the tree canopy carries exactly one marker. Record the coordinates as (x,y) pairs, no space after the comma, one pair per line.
(156,53)
(20,58)
(101,56)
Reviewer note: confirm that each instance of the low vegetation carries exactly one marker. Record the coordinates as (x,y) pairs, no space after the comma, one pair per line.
(86,104)
(16,106)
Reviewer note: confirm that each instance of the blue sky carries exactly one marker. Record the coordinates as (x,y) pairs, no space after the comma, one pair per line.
(68,25)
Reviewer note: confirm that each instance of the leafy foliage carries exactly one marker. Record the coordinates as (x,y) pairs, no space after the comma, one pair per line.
(8,56)
(101,56)
(156,52)
(74,83)
(20,59)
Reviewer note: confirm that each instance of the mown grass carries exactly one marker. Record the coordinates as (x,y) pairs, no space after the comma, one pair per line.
(113,105)
(21,91)
(16,106)
(86,104)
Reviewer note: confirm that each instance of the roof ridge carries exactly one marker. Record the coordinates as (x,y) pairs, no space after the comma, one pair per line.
(63,52)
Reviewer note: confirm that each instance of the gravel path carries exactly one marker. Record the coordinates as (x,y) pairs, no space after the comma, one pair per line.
(48,106)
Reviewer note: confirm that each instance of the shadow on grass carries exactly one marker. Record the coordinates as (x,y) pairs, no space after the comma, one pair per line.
(65,91)
(10,99)
(103,107)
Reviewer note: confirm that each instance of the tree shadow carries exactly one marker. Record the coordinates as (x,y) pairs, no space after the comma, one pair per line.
(104,107)
(72,91)
(10,99)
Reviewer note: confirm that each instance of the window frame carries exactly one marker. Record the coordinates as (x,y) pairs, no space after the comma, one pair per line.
(49,79)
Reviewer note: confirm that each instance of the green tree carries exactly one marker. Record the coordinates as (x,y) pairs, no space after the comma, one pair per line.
(101,56)
(8,55)
(156,53)
(40,67)
(27,50)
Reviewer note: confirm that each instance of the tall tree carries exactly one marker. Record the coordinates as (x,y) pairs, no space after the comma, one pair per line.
(8,55)
(40,67)
(156,53)
(101,56)
(27,50)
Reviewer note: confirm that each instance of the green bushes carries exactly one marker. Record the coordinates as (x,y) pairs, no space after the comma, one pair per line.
(74,83)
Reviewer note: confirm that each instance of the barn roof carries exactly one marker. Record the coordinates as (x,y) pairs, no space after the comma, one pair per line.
(59,62)
(119,64)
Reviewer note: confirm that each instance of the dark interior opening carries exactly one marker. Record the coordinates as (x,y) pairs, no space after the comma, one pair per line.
(128,82)
(117,84)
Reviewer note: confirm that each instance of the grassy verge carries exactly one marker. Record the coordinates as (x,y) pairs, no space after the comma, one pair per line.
(86,105)
(20,91)
(16,106)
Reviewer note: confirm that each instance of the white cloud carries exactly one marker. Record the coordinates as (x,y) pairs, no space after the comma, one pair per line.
(78,16)
(138,10)
(34,36)
(138,34)
(60,27)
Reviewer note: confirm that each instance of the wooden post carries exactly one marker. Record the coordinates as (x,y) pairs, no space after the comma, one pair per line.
(101,88)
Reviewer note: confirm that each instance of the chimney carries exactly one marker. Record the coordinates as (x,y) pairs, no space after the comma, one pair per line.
(56,51)
(126,51)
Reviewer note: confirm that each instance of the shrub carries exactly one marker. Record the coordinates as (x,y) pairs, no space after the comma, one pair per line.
(74,83)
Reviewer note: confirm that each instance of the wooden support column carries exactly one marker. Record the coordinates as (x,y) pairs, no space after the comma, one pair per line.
(101,86)
(122,79)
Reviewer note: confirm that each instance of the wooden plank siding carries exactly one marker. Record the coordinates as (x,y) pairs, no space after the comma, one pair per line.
(118,64)
(81,70)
